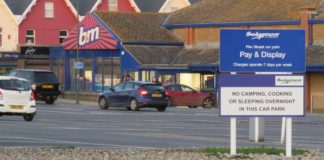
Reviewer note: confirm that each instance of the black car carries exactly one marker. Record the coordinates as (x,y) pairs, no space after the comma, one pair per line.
(43,82)
(134,95)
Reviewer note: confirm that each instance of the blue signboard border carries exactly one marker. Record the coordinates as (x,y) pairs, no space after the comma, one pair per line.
(221,68)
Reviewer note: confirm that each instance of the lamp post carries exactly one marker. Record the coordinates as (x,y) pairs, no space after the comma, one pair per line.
(111,69)
(77,57)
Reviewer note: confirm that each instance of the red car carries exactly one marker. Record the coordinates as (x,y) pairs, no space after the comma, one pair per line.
(182,95)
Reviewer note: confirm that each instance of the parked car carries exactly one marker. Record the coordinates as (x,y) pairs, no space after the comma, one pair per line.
(44,83)
(134,95)
(182,95)
(16,98)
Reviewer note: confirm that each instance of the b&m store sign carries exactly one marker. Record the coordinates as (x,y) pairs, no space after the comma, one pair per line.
(92,35)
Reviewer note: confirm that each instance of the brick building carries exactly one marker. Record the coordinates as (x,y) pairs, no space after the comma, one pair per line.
(199,27)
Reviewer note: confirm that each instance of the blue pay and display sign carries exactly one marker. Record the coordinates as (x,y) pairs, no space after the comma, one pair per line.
(78,65)
(255,50)
(262,95)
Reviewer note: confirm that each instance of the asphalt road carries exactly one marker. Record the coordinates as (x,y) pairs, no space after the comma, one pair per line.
(68,125)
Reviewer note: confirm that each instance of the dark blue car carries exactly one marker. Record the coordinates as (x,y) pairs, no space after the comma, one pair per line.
(134,95)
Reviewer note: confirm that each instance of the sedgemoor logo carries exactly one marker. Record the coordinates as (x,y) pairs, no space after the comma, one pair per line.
(258,35)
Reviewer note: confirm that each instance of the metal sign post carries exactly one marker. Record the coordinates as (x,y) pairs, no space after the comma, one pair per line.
(233,136)
(283,130)
(233,132)
(77,98)
(256,129)
(289,137)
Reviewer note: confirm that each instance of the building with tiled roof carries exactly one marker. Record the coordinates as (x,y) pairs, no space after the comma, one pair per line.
(161,6)
(194,1)
(199,26)
(8,29)
(8,39)
(220,11)
(20,8)
(84,6)
(184,46)
(149,6)
(138,27)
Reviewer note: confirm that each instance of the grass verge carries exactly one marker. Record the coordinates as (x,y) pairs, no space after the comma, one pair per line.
(260,150)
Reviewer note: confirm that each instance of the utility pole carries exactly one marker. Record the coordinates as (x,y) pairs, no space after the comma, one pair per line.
(77,58)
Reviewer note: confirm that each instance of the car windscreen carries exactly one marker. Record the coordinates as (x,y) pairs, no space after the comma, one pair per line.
(14,84)
(45,77)
(153,87)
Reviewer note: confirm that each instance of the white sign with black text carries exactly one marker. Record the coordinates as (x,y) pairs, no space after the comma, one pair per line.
(285,98)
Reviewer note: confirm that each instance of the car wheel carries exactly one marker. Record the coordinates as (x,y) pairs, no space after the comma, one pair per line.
(207,103)
(161,108)
(192,106)
(103,103)
(49,100)
(169,102)
(134,105)
(28,117)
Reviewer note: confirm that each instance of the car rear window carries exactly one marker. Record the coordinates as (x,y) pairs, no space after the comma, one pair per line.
(173,88)
(14,84)
(23,74)
(45,77)
(153,87)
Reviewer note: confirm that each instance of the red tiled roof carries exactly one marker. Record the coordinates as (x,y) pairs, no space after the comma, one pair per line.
(217,11)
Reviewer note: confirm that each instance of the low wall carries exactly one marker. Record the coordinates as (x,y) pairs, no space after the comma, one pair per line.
(84,96)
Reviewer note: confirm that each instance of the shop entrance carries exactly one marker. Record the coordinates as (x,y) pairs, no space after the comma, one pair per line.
(198,81)
(99,73)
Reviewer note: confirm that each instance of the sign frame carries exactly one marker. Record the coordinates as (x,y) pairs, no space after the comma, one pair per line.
(270,79)
(235,41)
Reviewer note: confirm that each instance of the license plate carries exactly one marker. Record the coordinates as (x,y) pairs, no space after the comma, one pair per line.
(156,95)
(16,107)
(47,86)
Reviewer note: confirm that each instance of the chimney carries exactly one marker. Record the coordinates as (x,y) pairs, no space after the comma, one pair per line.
(305,15)
(190,38)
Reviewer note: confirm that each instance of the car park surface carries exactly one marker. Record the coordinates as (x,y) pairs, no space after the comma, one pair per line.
(70,125)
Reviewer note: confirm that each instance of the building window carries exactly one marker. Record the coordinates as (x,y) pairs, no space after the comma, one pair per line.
(49,10)
(63,35)
(113,7)
(0,37)
(30,36)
